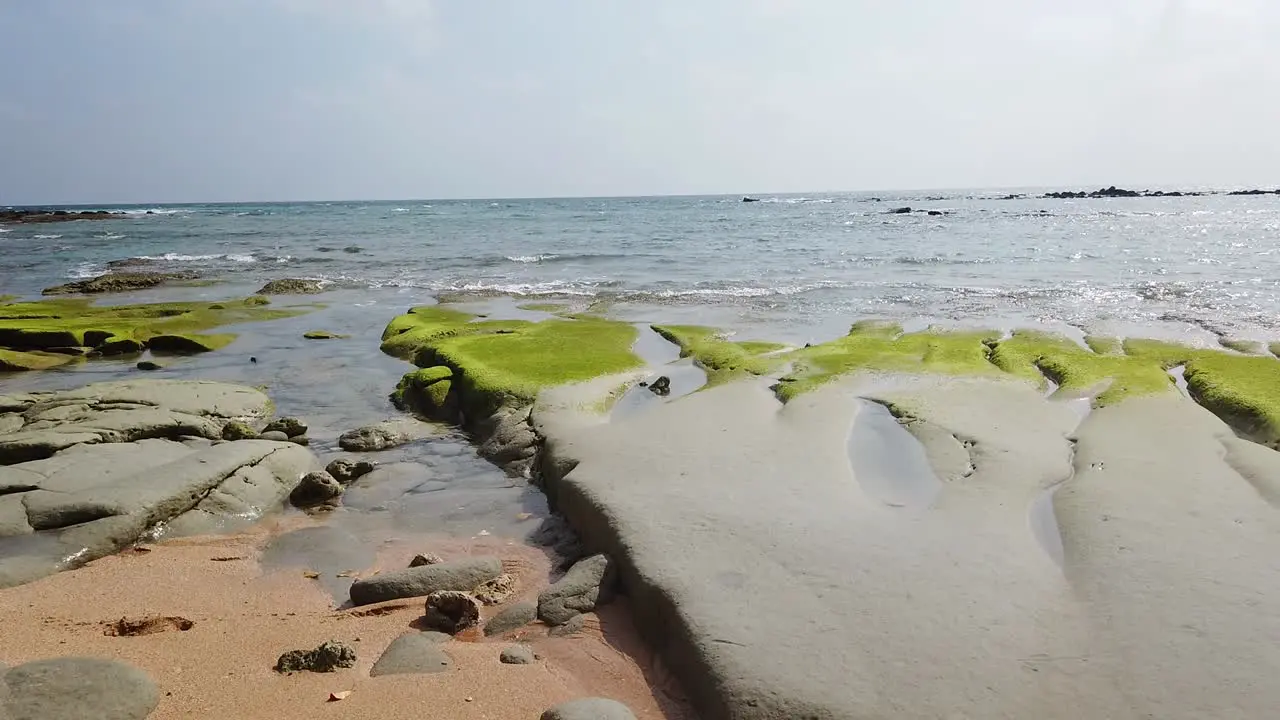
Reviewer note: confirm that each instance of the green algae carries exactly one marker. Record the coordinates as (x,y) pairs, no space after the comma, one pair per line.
(495,363)
(543,307)
(14,360)
(1248,347)
(122,329)
(323,335)
(1104,345)
(721,358)
(1243,391)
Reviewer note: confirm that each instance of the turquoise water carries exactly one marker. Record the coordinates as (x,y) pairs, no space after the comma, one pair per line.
(788,262)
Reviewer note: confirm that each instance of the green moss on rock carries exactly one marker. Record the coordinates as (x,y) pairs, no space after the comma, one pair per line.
(323,335)
(1243,391)
(723,359)
(13,360)
(1104,345)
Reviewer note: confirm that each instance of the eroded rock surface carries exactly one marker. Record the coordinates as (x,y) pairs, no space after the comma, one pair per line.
(76,688)
(425,579)
(413,653)
(588,584)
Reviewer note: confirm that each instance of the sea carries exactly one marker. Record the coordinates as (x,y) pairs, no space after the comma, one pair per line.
(790,268)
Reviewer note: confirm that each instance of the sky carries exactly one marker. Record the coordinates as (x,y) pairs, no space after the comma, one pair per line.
(126,101)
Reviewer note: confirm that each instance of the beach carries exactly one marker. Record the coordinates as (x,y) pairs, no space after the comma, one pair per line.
(1011,496)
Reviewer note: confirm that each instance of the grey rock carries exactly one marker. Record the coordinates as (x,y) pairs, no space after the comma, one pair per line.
(329,657)
(347,471)
(573,627)
(425,559)
(236,430)
(509,440)
(76,688)
(389,434)
(415,653)
(588,584)
(419,581)
(302,440)
(316,488)
(452,611)
(149,365)
(11,422)
(291,286)
(517,655)
(496,591)
(589,709)
(511,618)
(274,436)
(290,426)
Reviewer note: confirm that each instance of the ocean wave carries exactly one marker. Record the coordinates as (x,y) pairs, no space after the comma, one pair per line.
(5,230)
(179,257)
(111,236)
(86,270)
(399,209)
(46,237)
(531,258)
(153,211)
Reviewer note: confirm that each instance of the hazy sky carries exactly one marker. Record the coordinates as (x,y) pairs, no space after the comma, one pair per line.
(208,100)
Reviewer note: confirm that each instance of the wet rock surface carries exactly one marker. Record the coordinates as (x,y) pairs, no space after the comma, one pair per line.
(118,282)
(316,488)
(75,688)
(384,435)
(347,471)
(84,473)
(462,575)
(291,286)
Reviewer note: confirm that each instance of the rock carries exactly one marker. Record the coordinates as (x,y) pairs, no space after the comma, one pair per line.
(302,440)
(186,344)
(353,249)
(510,441)
(517,655)
(750,199)
(291,286)
(661,386)
(935,213)
(323,335)
(316,488)
(118,282)
(589,709)
(425,559)
(587,585)
(389,434)
(900,211)
(19,217)
(509,619)
(495,591)
(290,426)
(347,471)
(16,360)
(149,365)
(118,346)
(274,436)
(452,611)
(413,653)
(419,581)
(327,658)
(573,627)
(75,688)
(236,430)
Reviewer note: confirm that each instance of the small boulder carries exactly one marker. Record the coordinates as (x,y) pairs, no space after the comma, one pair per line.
(316,488)
(274,436)
(290,426)
(236,430)
(116,345)
(661,386)
(587,585)
(413,653)
(589,709)
(419,581)
(291,286)
(496,591)
(323,335)
(425,559)
(327,658)
(185,344)
(76,688)
(302,440)
(517,655)
(347,471)
(452,611)
(573,627)
(900,211)
(516,616)
(380,437)
(149,365)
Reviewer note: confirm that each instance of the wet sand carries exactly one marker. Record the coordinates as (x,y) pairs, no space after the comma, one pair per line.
(244,618)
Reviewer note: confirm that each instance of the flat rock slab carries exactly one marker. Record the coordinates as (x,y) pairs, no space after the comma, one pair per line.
(589,709)
(463,575)
(74,688)
(413,653)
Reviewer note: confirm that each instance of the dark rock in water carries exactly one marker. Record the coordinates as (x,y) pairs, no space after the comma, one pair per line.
(384,435)
(292,286)
(1254,192)
(180,344)
(900,211)
(661,386)
(290,426)
(274,436)
(496,591)
(118,282)
(236,430)
(323,335)
(19,217)
(75,688)
(425,559)
(1014,196)
(253,359)
(131,262)
(452,611)
(353,249)
(517,655)
(573,627)
(413,653)
(119,346)
(316,488)
(935,213)
(461,575)
(516,616)
(644,384)
(302,440)
(149,365)
(587,585)
(347,471)
(750,199)
(589,709)
(327,658)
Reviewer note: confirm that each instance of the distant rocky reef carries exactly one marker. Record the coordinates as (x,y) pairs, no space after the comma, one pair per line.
(19,217)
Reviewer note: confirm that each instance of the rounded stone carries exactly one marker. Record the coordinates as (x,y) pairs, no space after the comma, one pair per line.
(78,688)
(347,471)
(589,709)
(315,488)
(517,655)
(274,435)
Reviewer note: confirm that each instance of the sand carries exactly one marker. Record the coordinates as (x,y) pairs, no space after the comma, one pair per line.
(244,619)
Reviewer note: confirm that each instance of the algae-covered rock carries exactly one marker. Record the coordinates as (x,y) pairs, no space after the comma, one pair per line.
(236,430)
(188,344)
(292,286)
(323,335)
(290,426)
(116,345)
(118,282)
(17,360)
(427,391)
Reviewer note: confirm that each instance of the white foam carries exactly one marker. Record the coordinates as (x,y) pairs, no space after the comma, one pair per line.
(178,257)
(46,237)
(86,270)
(5,230)
(399,209)
(152,211)
(531,258)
